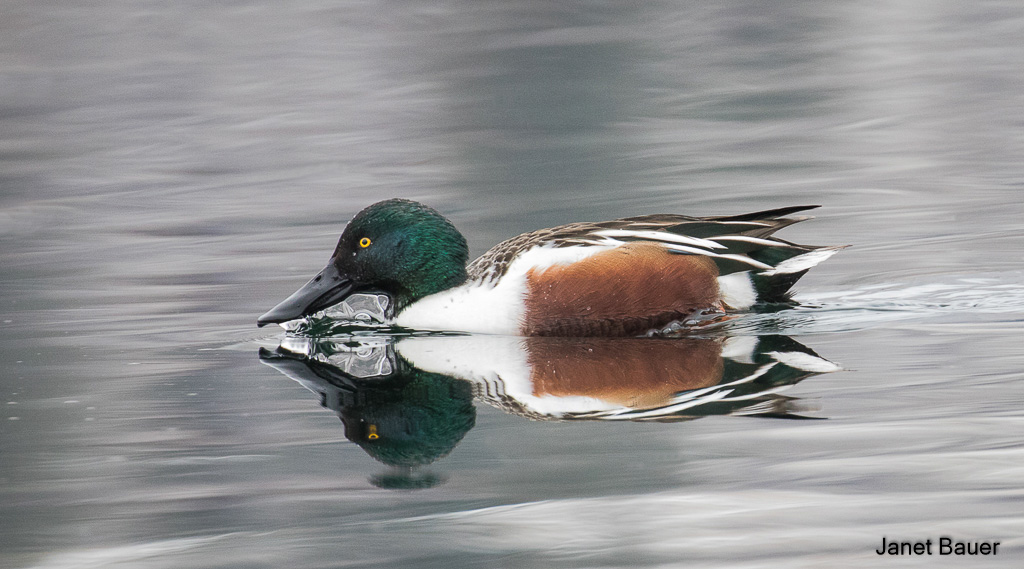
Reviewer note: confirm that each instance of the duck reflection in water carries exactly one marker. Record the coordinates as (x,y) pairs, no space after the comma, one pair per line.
(408,400)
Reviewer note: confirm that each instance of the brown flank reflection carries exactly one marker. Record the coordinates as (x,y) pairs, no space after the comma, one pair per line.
(640,374)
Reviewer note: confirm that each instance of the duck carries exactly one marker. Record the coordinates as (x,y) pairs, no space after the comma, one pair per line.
(625,277)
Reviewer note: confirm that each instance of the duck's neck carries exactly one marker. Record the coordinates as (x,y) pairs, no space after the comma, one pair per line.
(436,276)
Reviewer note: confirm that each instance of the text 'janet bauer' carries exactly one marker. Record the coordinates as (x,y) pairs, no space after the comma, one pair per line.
(946,546)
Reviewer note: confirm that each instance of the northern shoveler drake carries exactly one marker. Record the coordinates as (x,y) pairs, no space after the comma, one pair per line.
(624,277)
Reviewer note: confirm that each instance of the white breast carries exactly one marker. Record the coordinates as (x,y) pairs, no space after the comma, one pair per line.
(489,308)
(472,307)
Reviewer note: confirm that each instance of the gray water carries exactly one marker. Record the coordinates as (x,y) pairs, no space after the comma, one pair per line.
(169,171)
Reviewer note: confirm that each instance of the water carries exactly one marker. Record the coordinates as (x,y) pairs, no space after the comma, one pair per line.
(170,171)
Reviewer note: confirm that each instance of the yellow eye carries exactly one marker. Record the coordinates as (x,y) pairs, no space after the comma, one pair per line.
(364,242)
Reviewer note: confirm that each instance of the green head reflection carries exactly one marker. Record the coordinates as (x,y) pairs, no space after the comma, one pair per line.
(410,419)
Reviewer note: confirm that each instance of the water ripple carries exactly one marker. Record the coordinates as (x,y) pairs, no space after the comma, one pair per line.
(881,304)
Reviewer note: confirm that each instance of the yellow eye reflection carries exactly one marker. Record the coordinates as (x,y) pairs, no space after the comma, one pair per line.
(373,428)
(364,242)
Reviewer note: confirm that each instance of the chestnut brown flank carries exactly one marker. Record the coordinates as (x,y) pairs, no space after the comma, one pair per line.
(622,292)
(640,373)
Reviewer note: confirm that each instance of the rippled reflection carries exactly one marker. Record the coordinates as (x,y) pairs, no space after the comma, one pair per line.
(408,400)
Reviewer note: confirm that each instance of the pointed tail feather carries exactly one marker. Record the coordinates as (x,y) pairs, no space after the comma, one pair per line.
(768,214)
(773,286)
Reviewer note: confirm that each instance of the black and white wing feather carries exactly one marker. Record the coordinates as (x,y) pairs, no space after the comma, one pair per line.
(739,243)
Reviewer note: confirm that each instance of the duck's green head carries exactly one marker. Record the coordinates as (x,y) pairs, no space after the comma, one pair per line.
(399,247)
